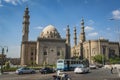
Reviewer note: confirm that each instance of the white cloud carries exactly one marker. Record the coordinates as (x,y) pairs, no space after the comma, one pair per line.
(93,34)
(24,0)
(91,22)
(15,2)
(116,14)
(88,28)
(108,29)
(39,27)
(1,3)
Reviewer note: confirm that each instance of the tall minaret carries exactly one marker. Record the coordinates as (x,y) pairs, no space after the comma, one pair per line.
(82,34)
(25,25)
(68,35)
(68,46)
(75,37)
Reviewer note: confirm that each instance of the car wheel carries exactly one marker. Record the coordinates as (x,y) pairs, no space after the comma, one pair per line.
(41,72)
(68,79)
(76,73)
(20,73)
(32,72)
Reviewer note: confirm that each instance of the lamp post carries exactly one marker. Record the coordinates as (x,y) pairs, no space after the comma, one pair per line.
(103,57)
(2,56)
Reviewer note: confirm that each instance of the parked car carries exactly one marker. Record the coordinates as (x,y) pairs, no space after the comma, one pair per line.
(92,66)
(81,69)
(25,70)
(47,70)
(99,65)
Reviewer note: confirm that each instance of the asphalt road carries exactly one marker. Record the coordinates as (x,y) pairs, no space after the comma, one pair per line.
(96,74)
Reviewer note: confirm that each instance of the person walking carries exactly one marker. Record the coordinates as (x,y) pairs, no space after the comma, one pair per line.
(111,69)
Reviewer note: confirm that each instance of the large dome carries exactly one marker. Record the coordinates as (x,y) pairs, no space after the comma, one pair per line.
(50,32)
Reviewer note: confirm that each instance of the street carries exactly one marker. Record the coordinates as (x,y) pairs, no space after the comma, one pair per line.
(96,74)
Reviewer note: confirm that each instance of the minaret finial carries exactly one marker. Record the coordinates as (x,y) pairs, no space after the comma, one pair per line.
(82,22)
(68,35)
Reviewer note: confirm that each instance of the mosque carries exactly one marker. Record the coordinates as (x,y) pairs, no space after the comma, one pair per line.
(50,46)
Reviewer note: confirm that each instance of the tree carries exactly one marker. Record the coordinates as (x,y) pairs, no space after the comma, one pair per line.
(114,60)
(98,58)
(7,65)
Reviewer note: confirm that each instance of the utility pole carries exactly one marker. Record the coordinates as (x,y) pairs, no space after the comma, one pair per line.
(2,57)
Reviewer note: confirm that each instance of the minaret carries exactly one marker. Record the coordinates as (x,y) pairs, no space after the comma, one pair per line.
(25,25)
(75,37)
(82,34)
(68,46)
(25,31)
(68,35)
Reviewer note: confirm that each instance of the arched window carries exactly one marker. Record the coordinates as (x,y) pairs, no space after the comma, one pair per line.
(31,53)
(58,53)
(44,53)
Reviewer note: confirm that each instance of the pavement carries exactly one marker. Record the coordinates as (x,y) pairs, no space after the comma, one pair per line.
(105,74)
(5,73)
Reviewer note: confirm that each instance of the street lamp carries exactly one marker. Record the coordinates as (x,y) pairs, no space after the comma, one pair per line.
(103,57)
(3,48)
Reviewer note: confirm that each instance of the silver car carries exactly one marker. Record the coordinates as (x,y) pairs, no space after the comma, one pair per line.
(81,69)
(25,70)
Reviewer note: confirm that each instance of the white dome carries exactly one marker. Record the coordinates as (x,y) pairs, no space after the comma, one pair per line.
(50,32)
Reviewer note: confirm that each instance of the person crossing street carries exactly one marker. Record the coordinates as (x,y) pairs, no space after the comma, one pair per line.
(111,69)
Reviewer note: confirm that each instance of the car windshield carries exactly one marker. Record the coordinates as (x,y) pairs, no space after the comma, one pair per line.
(20,68)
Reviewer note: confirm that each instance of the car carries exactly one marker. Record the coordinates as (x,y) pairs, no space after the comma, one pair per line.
(81,69)
(25,70)
(47,70)
(92,66)
(99,65)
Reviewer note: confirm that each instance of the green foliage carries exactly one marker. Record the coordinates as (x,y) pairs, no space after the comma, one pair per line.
(114,60)
(10,69)
(36,68)
(7,65)
(98,58)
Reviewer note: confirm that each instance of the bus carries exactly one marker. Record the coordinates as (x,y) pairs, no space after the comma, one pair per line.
(70,64)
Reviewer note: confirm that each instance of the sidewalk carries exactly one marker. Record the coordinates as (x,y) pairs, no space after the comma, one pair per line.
(112,79)
(4,73)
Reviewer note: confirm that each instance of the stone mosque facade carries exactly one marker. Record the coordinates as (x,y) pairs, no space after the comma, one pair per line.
(89,48)
(50,46)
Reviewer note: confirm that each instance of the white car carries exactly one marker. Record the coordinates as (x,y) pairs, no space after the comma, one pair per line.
(92,66)
(81,69)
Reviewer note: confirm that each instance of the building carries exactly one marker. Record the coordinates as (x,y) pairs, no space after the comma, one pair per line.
(89,48)
(48,47)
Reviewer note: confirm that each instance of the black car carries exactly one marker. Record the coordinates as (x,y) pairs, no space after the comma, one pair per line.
(47,70)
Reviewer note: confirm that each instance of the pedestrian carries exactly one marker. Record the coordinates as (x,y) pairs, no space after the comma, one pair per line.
(111,69)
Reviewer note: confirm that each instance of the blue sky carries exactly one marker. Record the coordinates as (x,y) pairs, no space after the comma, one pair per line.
(59,13)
